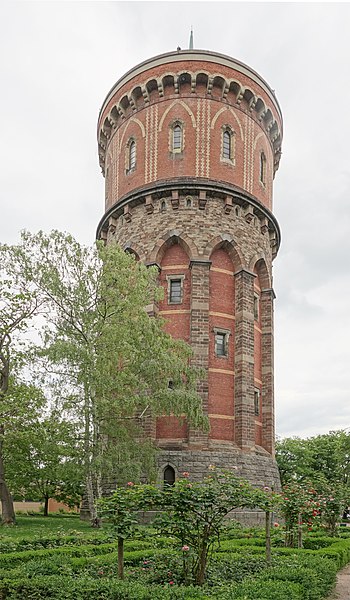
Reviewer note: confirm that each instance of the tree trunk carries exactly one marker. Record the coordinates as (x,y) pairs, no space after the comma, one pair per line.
(202,559)
(268,536)
(8,516)
(121,558)
(95,522)
(46,506)
(300,532)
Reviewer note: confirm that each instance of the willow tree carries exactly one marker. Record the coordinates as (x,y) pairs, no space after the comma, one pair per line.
(104,353)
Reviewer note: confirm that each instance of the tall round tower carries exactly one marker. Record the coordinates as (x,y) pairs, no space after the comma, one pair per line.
(189,143)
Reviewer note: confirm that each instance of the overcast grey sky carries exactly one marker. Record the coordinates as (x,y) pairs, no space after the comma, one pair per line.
(58,61)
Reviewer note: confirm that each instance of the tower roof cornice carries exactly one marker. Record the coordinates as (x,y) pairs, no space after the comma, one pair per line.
(193,55)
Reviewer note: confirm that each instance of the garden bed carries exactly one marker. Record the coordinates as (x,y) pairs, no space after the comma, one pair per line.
(77,563)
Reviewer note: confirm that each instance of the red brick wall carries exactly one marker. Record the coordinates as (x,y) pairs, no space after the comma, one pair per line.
(221,378)
(204,108)
(177,322)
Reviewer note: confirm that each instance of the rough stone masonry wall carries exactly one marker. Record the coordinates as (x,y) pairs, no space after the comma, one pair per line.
(260,469)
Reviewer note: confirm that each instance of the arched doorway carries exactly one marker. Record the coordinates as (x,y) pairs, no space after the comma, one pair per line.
(169,475)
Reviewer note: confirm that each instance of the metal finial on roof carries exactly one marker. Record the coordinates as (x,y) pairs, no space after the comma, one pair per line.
(191,39)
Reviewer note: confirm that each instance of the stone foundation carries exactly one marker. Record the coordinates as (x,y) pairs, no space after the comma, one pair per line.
(257,467)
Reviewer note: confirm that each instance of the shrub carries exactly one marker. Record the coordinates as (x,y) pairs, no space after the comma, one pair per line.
(266,590)
(64,588)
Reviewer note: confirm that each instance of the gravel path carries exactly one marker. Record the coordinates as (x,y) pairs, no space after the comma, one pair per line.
(342,588)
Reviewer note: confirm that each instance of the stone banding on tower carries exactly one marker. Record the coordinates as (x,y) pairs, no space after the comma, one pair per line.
(189,143)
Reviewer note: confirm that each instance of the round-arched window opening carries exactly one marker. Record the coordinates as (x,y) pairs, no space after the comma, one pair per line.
(188,202)
(163,206)
(169,475)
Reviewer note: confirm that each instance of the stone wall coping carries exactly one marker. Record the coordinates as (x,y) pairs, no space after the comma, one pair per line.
(244,270)
(200,261)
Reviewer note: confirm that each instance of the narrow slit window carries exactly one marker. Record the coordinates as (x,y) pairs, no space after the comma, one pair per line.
(132,155)
(175,291)
(257,402)
(263,168)
(177,138)
(256,307)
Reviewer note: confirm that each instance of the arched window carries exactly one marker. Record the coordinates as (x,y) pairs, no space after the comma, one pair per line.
(132,155)
(177,138)
(188,202)
(228,144)
(163,206)
(169,475)
(263,168)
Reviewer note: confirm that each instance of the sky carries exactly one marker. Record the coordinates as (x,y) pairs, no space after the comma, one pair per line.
(59,60)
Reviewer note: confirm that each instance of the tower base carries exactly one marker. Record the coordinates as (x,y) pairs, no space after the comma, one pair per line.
(257,466)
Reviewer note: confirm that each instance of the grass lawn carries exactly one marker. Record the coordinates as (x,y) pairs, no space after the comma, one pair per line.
(37,526)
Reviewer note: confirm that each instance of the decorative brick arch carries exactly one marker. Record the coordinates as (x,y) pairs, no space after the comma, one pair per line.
(175,103)
(225,109)
(131,120)
(225,241)
(167,240)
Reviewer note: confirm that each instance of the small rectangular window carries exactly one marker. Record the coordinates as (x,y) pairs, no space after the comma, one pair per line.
(257,402)
(221,344)
(175,291)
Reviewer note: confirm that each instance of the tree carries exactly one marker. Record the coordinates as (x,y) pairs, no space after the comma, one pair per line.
(300,506)
(111,361)
(319,459)
(43,461)
(194,513)
(191,512)
(19,302)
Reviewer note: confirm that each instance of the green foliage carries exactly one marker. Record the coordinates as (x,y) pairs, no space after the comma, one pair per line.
(154,568)
(43,460)
(106,363)
(66,588)
(267,590)
(316,459)
(194,514)
(300,506)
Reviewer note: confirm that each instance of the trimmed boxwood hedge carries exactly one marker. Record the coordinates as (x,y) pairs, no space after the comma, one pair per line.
(64,588)
(267,590)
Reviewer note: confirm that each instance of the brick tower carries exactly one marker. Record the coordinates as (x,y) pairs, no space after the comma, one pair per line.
(189,143)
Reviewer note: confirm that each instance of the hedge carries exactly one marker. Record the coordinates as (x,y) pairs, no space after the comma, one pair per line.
(64,588)
(12,559)
(55,564)
(258,590)
(76,540)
